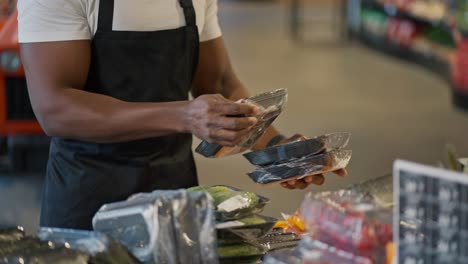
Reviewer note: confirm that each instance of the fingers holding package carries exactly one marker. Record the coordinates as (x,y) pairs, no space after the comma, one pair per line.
(219,120)
(303,183)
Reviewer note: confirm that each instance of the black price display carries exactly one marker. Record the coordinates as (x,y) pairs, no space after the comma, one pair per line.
(431,214)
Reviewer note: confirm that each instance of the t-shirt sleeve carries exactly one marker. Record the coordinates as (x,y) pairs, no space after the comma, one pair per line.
(211,29)
(52,20)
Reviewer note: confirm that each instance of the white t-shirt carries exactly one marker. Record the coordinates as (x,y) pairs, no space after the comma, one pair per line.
(61,20)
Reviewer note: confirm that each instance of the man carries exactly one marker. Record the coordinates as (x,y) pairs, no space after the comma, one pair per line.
(109,81)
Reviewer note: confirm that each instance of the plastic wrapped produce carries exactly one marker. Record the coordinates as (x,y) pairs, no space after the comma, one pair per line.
(312,251)
(99,246)
(11,234)
(349,222)
(240,253)
(299,168)
(232,203)
(163,226)
(32,250)
(46,256)
(271,105)
(298,149)
(378,190)
(246,229)
(25,245)
(278,239)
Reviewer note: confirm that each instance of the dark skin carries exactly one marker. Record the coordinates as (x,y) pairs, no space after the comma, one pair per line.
(57,71)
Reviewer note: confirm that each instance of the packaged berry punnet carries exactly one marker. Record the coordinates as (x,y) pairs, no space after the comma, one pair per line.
(348,221)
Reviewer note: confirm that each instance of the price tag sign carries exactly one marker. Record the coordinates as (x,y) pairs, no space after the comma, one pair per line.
(431,214)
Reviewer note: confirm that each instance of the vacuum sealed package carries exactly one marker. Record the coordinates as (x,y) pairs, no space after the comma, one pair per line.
(163,226)
(311,251)
(278,239)
(32,250)
(239,253)
(246,229)
(298,149)
(100,247)
(52,255)
(301,167)
(11,234)
(232,203)
(271,105)
(379,190)
(349,222)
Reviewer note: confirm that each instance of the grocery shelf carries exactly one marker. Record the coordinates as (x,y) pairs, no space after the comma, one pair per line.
(381,44)
(393,11)
(435,44)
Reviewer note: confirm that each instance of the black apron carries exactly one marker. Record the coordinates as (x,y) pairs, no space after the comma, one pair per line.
(136,67)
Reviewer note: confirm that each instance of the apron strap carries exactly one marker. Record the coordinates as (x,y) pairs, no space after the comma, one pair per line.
(189,12)
(106,15)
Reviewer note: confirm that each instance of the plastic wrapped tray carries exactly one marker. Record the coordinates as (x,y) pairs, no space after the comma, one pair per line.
(314,252)
(298,149)
(240,253)
(32,250)
(11,234)
(163,227)
(234,230)
(348,222)
(378,190)
(46,256)
(240,204)
(99,246)
(299,168)
(278,239)
(253,259)
(271,105)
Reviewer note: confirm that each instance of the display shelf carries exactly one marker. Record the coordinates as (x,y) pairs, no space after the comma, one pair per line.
(393,11)
(435,44)
(432,63)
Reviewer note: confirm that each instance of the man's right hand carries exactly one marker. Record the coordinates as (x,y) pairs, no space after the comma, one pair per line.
(219,120)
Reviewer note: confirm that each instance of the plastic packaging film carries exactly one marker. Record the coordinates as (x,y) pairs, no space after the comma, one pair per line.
(163,227)
(99,246)
(298,149)
(379,190)
(311,251)
(271,105)
(348,221)
(301,167)
(246,229)
(11,234)
(32,250)
(232,203)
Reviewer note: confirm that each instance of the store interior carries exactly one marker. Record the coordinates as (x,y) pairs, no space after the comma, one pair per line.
(396,105)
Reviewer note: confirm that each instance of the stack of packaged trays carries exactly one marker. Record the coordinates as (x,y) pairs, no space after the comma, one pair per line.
(170,227)
(239,226)
(295,160)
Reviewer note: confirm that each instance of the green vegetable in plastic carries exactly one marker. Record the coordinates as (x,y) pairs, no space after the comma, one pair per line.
(223,193)
(253,220)
(238,250)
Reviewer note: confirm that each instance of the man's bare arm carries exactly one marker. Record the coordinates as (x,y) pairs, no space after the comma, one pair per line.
(56,73)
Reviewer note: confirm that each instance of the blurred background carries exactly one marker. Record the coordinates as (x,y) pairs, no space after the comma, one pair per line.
(394,73)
